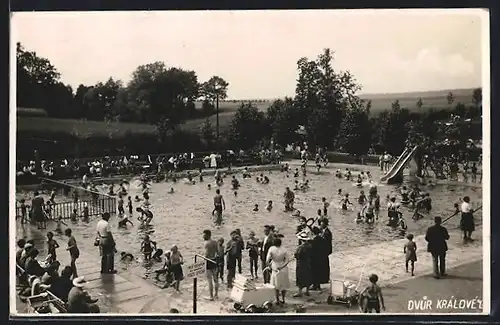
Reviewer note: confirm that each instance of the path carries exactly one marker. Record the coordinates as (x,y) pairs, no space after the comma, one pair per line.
(386,259)
(123,293)
(128,293)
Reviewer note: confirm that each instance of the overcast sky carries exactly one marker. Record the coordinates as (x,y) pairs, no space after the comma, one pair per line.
(256,51)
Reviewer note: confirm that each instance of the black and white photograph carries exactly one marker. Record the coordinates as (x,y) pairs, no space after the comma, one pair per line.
(242,162)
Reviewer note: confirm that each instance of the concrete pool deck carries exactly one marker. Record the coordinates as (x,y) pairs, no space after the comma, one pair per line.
(128,293)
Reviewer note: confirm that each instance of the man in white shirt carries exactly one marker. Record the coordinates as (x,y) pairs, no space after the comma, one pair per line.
(106,245)
(467,223)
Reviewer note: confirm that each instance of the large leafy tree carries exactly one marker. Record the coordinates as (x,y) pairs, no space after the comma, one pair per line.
(322,97)
(282,119)
(99,100)
(207,133)
(39,86)
(156,93)
(247,127)
(355,131)
(214,87)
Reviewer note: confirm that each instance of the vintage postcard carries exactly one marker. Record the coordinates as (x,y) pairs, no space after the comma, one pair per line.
(236,162)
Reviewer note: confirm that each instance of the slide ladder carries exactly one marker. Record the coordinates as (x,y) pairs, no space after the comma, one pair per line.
(399,165)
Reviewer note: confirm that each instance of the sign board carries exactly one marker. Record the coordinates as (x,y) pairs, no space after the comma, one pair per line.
(196,269)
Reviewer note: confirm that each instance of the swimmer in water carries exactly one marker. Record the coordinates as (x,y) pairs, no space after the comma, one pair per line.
(296,213)
(326,205)
(137,198)
(296,188)
(344,202)
(209,187)
(368,175)
(359,181)
(362,198)
(146,215)
(147,247)
(339,192)
(404,196)
(219,205)
(348,175)
(235,193)
(235,183)
(124,221)
(269,206)
(126,257)
(369,212)
(171,190)
(256,208)
(359,218)
(338,173)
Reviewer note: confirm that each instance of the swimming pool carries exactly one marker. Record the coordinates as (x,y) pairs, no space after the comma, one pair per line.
(181,217)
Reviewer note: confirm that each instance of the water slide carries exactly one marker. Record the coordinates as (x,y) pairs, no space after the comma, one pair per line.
(399,165)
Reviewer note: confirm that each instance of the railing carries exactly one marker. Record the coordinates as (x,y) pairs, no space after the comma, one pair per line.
(65,209)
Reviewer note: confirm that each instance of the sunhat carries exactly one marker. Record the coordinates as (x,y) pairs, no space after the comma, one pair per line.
(79,282)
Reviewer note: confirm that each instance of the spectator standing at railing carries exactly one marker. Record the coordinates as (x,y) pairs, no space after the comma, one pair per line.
(37,205)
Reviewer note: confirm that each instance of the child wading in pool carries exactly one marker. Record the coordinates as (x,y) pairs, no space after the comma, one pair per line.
(362,198)
(326,205)
(269,206)
(121,211)
(410,250)
(59,225)
(147,248)
(130,207)
(52,245)
(344,202)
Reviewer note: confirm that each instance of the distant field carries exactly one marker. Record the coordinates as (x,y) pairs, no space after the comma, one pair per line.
(380,102)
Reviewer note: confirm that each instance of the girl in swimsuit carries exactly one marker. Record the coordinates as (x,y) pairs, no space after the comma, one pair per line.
(147,247)
(344,202)
(362,198)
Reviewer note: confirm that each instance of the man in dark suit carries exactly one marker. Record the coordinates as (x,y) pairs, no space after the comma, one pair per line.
(267,242)
(436,238)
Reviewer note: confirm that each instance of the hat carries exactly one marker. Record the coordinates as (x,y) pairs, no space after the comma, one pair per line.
(78,282)
(303,236)
(28,245)
(32,278)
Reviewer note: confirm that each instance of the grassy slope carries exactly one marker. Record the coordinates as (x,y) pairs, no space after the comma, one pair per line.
(380,102)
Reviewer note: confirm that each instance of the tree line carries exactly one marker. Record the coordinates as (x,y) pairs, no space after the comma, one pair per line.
(154,93)
(325,111)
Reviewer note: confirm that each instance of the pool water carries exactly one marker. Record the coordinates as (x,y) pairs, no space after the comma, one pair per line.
(181,217)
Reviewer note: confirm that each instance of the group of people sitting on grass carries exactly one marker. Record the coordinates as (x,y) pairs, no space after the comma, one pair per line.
(35,277)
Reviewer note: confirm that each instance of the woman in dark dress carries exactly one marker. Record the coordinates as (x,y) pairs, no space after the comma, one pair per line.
(303,268)
(320,261)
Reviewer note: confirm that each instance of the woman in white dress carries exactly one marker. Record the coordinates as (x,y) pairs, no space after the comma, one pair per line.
(278,258)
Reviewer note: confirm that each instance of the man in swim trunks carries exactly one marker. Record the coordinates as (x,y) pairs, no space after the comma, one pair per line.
(219,204)
(211,249)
